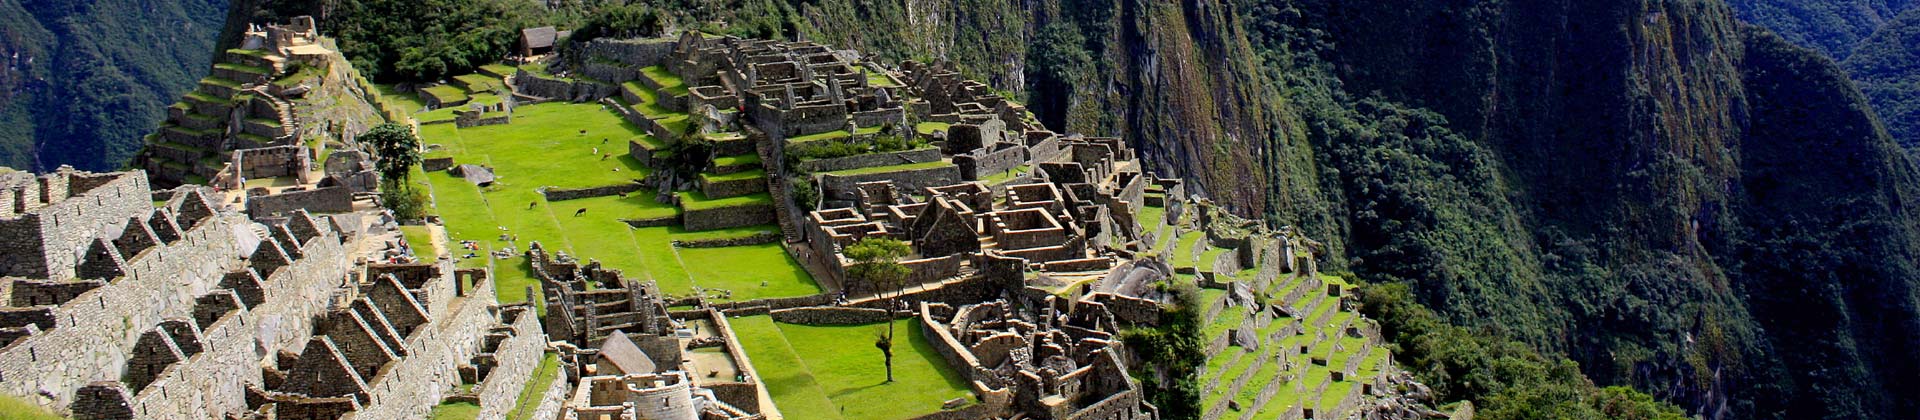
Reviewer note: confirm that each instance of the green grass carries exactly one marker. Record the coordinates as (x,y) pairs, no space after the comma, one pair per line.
(15,409)
(455,411)
(695,201)
(668,82)
(497,70)
(833,372)
(741,160)
(445,94)
(203,97)
(216,81)
(242,68)
(736,176)
(891,168)
(478,83)
(929,127)
(1183,250)
(420,238)
(1208,257)
(1003,177)
(536,387)
(875,79)
(830,135)
(404,102)
(543,147)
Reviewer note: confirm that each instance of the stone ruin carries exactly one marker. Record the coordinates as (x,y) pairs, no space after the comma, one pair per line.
(121,302)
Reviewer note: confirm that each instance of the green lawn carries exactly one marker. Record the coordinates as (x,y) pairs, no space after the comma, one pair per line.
(875,79)
(535,388)
(1183,250)
(833,372)
(1003,177)
(455,411)
(421,240)
(12,408)
(542,147)
(930,127)
(741,160)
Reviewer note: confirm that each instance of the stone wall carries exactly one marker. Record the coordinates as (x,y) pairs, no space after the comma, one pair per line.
(563,194)
(164,284)
(531,84)
(277,161)
(516,358)
(727,217)
(921,155)
(842,187)
(732,188)
(753,239)
(53,220)
(830,315)
(318,200)
(982,163)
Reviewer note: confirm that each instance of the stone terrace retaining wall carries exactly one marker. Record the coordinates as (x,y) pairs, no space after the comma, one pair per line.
(563,194)
(518,356)
(842,187)
(320,200)
(733,188)
(921,155)
(754,239)
(727,217)
(828,315)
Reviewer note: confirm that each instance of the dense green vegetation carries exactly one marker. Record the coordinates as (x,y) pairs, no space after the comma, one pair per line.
(91,78)
(1886,66)
(1505,379)
(1174,354)
(1833,27)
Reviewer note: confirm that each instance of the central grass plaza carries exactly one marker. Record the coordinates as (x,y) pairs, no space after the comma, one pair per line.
(565,145)
(811,372)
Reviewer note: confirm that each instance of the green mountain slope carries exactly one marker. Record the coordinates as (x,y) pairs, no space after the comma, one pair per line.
(1886,66)
(1833,27)
(88,78)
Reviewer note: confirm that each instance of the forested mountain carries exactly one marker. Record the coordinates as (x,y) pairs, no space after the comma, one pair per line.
(1875,41)
(85,79)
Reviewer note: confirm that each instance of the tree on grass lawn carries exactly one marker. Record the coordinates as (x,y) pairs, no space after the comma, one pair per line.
(877,262)
(396,150)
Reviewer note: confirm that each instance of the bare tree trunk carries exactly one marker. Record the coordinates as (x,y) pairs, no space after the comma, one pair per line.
(891,304)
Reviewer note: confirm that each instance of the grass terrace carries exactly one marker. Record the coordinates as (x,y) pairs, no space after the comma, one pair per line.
(498,70)
(695,201)
(454,411)
(669,83)
(875,79)
(930,127)
(741,160)
(536,387)
(1004,177)
(833,372)
(401,101)
(445,94)
(478,83)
